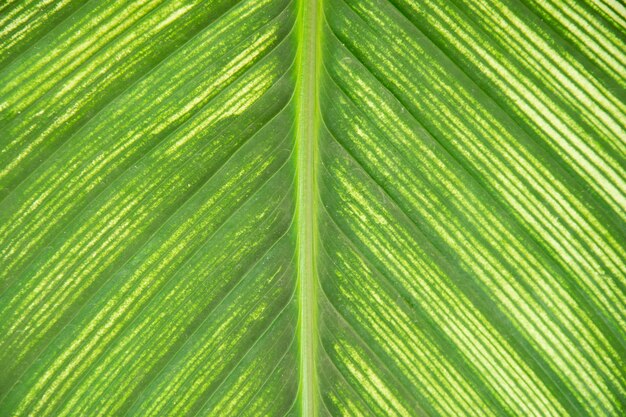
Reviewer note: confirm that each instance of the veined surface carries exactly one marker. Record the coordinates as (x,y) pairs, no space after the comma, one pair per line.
(331,207)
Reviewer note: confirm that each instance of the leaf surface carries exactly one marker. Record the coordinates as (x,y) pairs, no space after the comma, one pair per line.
(331,207)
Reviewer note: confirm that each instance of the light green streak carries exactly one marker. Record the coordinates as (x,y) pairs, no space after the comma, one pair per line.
(306,148)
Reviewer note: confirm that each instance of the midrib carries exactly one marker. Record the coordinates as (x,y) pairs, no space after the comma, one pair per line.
(306,154)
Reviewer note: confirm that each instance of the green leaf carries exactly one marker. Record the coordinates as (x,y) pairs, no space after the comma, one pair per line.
(323,207)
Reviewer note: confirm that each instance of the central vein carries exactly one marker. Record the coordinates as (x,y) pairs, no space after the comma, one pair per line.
(306,153)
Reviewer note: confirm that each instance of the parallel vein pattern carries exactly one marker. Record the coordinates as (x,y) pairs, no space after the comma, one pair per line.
(312,208)
(147,248)
(473,184)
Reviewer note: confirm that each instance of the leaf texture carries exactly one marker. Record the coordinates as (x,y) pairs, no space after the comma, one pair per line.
(331,207)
